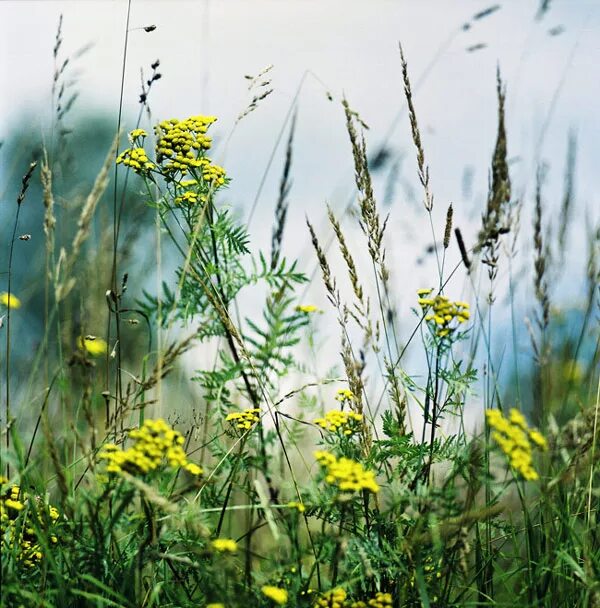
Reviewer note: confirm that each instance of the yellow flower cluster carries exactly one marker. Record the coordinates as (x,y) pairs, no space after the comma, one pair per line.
(441,312)
(244,420)
(154,444)
(213,174)
(224,545)
(137,134)
(344,394)
(346,422)
(180,142)
(381,600)
(335,598)
(189,197)
(515,439)
(20,532)
(137,159)
(347,475)
(278,595)
(338,598)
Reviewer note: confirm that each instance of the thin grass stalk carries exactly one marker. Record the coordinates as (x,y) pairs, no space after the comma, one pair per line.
(20,198)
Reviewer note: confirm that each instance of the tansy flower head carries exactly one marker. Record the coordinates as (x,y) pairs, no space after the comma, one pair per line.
(441,313)
(181,144)
(345,474)
(137,134)
(347,423)
(9,300)
(92,345)
(344,394)
(307,308)
(224,545)
(278,595)
(137,159)
(244,420)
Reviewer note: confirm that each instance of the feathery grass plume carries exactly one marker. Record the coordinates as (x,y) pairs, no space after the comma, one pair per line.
(48,199)
(569,193)
(353,371)
(497,216)
(494,219)
(423,169)
(370,222)
(362,306)
(64,281)
(63,102)
(542,318)
(325,269)
(351,365)
(260,84)
(448,227)
(281,208)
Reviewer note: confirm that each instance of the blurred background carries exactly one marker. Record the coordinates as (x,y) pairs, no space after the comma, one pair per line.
(309,54)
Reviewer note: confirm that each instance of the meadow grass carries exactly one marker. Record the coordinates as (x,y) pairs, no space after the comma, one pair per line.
(329,493)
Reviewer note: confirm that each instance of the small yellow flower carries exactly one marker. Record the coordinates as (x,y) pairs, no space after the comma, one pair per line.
(93,345)
(224,545)
(9,300)
(278,595)
(244,420)
(217,605)
(307,308)
(297,505)
(193,469)
(137,133)
(344,394)
(348,423)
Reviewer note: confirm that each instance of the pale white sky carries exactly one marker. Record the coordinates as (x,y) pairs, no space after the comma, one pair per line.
(350,47)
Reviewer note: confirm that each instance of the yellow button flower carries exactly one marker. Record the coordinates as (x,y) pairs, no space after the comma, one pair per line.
(92,345)
(278,595)
(9,300)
